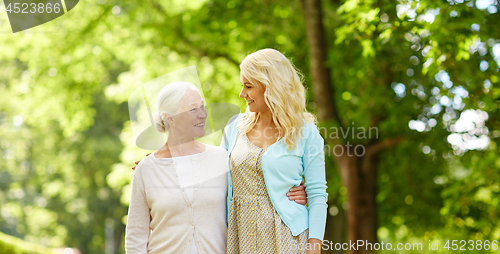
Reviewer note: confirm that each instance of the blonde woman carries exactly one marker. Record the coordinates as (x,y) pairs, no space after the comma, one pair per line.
(272,147)
(179,193)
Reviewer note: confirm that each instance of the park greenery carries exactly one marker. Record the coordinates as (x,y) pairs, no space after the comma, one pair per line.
(423,73)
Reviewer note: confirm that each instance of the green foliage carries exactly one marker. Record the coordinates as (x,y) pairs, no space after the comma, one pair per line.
(13,245)
(475,189)
(418,192)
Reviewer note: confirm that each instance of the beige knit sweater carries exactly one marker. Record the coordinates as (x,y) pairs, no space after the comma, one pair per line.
(162,220)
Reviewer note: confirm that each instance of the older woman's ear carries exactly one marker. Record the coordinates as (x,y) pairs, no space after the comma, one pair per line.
(168,118)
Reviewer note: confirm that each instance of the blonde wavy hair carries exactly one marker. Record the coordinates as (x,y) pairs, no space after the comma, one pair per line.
(284,94)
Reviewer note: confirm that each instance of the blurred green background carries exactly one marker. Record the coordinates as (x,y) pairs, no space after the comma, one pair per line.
(423,74)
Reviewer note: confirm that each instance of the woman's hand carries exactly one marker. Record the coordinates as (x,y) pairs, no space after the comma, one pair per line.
(315,246)
(298,194)
(137,162)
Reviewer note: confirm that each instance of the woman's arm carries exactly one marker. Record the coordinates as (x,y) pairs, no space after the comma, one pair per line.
(138,219)
(315,183)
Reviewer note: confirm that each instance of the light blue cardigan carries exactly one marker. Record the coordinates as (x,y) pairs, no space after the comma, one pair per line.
(283,169)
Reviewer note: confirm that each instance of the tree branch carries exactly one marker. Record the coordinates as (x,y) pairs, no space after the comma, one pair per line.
(370,151)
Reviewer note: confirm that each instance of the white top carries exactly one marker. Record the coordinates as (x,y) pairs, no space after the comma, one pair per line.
(163,219)
(185,172)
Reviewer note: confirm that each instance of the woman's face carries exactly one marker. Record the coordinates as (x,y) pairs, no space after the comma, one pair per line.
(190,121)
(254,96)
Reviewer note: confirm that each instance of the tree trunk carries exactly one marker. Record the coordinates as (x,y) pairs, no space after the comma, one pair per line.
(358,173)
(359,177)
(320,73)
(367,198)
(335,228)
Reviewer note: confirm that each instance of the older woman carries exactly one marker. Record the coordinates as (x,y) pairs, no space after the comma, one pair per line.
(179,193)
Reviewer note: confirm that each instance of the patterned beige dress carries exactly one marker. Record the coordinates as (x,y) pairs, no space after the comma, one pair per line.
(254,225)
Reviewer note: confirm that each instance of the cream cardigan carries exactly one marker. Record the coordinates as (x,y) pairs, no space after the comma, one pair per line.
(162,220)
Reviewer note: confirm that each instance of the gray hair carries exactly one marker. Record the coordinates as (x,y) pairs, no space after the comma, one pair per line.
(170,101)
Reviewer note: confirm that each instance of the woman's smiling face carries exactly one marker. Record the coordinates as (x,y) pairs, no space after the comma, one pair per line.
(190,121)
(254,95)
